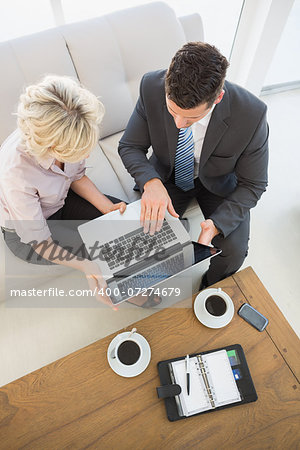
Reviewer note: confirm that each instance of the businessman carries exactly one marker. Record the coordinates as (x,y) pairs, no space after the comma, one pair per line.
(210,142)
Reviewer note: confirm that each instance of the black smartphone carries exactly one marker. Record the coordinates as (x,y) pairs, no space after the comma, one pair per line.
(255,318)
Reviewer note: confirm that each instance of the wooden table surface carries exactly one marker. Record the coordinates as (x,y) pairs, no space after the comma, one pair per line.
(79,402)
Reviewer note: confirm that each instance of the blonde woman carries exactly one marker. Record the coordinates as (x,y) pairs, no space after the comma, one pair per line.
(42,174)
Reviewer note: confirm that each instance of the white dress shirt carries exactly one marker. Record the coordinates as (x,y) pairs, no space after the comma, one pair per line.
(199,130)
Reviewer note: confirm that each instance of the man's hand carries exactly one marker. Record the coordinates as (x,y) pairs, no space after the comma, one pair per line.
(208,232)
(155,201)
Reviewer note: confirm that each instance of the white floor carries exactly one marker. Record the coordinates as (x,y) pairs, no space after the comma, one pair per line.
(275,230)
(31,338)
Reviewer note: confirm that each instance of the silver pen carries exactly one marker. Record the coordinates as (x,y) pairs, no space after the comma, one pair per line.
(187,363)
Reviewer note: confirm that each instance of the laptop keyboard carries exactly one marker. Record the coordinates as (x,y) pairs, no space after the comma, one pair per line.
(135,244)
(153,275)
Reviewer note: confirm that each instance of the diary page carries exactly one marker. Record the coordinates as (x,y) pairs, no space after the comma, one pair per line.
(221,378)
(198,400)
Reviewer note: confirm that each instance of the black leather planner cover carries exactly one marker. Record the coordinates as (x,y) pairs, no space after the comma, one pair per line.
(168,389)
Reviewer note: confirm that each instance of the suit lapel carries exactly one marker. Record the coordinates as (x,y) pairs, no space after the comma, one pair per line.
(172,134)
(216,128)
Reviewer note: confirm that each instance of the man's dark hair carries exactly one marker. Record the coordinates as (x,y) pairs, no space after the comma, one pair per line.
(196,75)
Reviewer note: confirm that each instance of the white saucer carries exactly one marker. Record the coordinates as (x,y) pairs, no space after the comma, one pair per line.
(207,319)
(134,369)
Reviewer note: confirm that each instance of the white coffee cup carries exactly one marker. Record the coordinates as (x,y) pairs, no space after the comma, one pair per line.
(127,351)
(214,308)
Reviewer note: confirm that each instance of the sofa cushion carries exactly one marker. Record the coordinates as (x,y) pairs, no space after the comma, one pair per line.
(193,27)
(109,146)
(111,53)
(100,170)
(24,61)
(140,33)
(96,55)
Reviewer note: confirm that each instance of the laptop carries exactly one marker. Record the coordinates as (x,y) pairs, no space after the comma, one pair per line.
(132,261)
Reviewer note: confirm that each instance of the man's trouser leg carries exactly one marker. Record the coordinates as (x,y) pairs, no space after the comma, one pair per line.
(234,247)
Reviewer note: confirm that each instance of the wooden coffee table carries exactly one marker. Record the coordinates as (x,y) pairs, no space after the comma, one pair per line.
(78,402)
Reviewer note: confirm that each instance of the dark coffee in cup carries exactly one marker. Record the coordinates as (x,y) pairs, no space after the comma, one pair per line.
(215,305)
(129,352)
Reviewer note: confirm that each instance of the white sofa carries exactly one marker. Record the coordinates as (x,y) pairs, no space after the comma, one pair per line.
(109,55)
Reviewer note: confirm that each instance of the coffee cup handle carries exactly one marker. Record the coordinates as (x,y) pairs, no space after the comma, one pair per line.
(113,353)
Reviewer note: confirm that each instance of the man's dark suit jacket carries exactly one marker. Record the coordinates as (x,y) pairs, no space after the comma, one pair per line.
(234,156)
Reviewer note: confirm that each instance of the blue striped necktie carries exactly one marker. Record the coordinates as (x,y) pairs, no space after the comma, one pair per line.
(184,160)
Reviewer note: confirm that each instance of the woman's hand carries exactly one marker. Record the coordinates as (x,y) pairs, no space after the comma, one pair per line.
(87,190)
(120,206)
(96,282)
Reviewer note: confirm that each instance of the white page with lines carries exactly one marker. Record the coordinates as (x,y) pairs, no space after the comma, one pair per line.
(220,377)
(198,400)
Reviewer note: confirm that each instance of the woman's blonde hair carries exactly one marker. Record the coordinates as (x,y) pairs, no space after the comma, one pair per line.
(58,117)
